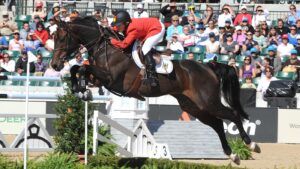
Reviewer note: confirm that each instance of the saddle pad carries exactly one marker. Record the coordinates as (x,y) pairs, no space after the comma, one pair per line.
(165,66)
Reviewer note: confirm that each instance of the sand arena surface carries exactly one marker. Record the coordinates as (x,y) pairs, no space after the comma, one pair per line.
(272,156)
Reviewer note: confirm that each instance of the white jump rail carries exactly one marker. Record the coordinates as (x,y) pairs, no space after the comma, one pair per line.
(140,142)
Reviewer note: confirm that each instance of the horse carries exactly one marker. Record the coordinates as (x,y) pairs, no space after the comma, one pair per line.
(197,87)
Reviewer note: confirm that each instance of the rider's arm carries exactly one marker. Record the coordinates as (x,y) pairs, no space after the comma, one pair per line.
(131,36)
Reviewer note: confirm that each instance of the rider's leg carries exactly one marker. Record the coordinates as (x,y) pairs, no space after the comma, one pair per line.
(150,63)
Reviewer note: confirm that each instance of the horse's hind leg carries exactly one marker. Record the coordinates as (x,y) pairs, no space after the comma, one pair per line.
(223,112)
(217,124)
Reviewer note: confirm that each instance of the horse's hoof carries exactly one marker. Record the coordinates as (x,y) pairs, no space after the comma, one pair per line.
(235,158)
(87,95)
(254,147)
(78,95)
(100,91)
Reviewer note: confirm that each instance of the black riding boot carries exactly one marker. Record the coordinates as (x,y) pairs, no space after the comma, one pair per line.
(81,80)
(150,70)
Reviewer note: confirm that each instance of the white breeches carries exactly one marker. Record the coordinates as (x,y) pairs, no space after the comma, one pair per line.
(153,40)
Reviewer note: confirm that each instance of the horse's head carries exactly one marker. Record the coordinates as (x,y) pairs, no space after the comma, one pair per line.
(63,45)
(68,38)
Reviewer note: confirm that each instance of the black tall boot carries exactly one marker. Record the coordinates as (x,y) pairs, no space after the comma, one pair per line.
(150,70)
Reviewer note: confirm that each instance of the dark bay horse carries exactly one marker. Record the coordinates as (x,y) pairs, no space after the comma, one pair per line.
(197,87)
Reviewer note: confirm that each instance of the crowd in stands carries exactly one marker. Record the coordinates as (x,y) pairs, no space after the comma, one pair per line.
(255,45)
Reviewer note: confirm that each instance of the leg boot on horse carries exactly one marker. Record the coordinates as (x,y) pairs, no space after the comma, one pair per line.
(151,76)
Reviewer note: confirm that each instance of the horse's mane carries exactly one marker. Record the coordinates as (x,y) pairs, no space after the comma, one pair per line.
(87,21)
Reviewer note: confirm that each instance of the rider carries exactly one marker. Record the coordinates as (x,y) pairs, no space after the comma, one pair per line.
(150,31)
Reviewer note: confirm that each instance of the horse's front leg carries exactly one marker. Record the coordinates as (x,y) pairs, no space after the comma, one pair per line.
(74,79)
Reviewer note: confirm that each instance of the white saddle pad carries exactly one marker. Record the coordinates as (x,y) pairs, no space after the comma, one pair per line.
(165,66)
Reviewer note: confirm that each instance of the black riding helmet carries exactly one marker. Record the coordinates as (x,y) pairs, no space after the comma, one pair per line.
(121,17)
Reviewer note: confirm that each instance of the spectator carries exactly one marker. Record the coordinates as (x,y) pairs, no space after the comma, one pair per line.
(168,12)
(191,12)
(51,72)
(297,47)
(41,34)
(104,22)
(284,49)
(249,43)
(222,35)
(228,28)
(7,26)
(211,28)
(36,20)
(273,37)
(231,11)
(62,14)
(50,42)
(3,43)
(140,12)
(239,36)
(174,45)
(261,15)
(244,14)
(174,28)
(54,10)
(260,39)
(247,70)
(16,43)
(247,27)
(293,15)
(78,60)
(264,65)
(256,61)
(29,44)
(209,15)
(248,83)
(51,23)
(232,62)
(190,56)
(298,26)
(264,28)
(191,23)
(200,35)
(74,14)
(230,47)
(21,65)
(281,29)
(212,46)
(265,81)
(225,16)
(186,38)
(39,11)
(292,35)
(275,60)
(98,15)
(292,64)
(25,31)
(7,65)
(40,66)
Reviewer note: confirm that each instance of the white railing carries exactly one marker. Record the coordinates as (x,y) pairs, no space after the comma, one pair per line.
(140,142)
(40,139)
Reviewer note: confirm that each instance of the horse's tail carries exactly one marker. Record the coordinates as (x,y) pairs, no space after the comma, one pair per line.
(230,86)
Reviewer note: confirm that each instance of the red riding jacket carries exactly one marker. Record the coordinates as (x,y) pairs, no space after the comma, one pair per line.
(139,28)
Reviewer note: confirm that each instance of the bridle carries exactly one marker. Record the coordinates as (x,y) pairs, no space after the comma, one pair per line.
(75,37)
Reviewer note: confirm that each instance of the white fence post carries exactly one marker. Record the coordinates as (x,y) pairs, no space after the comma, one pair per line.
(95,132)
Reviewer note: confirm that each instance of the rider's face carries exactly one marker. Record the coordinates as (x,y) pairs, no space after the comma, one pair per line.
(121,28)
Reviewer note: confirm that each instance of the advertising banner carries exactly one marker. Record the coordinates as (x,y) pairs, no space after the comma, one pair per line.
(288,126)
(14,125)
(261,127)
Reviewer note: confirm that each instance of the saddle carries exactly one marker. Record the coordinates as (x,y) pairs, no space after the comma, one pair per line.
(162,59)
